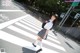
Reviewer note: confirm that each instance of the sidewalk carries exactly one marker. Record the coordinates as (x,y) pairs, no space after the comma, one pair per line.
(69,44)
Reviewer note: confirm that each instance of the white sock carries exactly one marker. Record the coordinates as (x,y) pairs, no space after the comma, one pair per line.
(36,43)
(40,44)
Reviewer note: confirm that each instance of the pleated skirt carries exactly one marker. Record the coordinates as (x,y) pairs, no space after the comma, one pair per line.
(42,33)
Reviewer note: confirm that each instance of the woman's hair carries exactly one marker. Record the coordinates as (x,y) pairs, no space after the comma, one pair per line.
(56,16)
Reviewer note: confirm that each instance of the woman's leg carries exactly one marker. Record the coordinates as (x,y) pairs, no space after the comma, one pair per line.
(38,41)
(40,44)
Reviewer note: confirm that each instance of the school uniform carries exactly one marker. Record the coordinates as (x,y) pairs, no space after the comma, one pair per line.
(47,26)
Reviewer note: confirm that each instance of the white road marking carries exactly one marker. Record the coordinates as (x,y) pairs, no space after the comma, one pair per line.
(18,41)
(34,37)
(29,24)
(38,29)
(3,25)
(19,24)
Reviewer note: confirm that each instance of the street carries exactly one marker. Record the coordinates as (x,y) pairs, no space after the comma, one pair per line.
(18,34)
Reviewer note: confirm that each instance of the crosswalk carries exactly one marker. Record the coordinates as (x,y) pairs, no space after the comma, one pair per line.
(28,27)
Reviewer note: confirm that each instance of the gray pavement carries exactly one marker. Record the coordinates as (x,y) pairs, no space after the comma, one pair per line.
(11,12)
(18,34)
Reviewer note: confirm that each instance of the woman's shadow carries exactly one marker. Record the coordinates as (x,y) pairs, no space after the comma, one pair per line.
(26,50)
(29,49)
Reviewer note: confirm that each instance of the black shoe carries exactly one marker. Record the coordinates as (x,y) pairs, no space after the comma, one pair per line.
(39,50)
(33,44)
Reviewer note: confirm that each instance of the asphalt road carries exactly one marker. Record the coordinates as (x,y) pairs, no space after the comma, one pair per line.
(18,34)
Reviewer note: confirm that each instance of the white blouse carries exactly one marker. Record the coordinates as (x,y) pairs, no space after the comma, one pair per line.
(49,25)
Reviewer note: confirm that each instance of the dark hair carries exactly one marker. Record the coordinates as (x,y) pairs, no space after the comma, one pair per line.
(56,16)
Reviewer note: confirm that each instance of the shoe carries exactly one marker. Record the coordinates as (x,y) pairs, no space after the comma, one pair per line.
(38,50)
(33,44)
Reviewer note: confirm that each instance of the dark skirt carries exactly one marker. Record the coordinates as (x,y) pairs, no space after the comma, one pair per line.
(42,33)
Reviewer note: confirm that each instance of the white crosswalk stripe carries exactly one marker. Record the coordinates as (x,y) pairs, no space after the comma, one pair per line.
(3,25)
(18,41)
(34,37)
(29,24)
(34,24)
(33,20)
(37,24)
(17,23)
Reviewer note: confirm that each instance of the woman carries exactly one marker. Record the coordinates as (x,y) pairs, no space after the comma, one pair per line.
(43,33)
